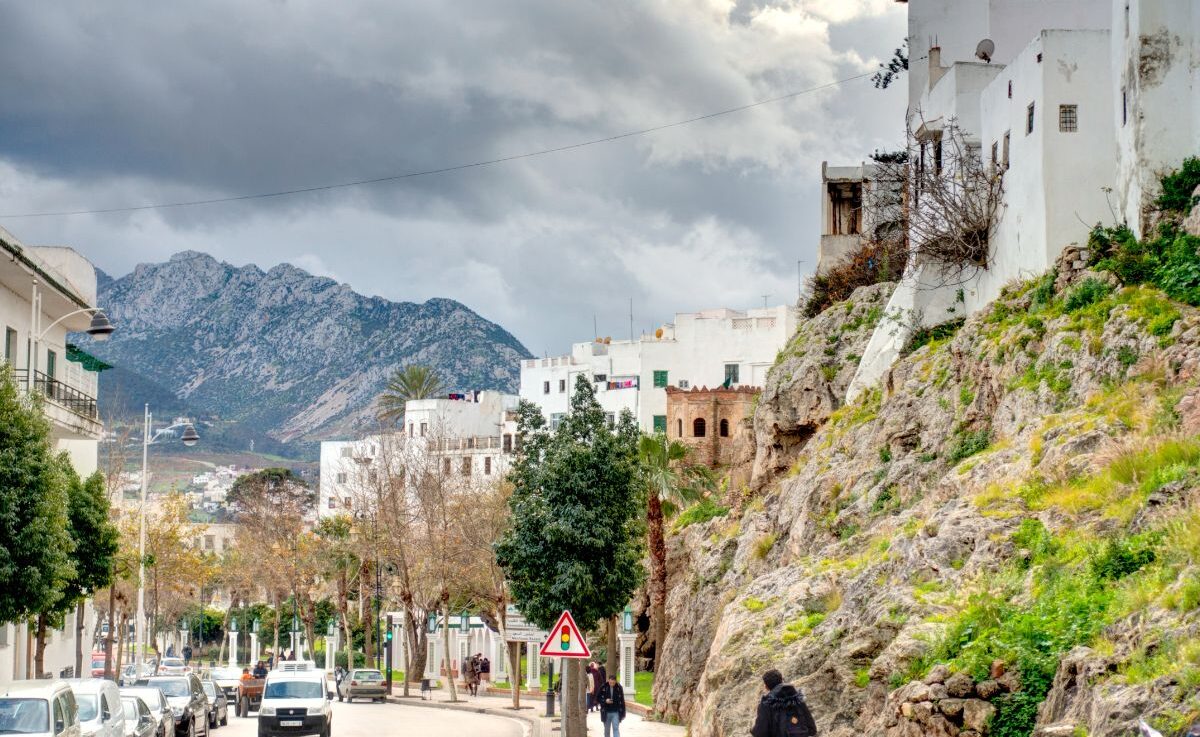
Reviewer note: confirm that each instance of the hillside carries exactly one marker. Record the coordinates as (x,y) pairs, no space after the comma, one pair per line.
(280,357)
(1000,539)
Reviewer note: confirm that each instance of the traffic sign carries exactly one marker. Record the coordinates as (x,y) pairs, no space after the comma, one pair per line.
(565,640)
(519,629)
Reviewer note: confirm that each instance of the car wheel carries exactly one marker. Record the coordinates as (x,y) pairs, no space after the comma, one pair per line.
(325,732)
(225,717)
(191,731)
(245,706)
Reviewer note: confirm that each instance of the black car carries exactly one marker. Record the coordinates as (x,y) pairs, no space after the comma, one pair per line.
(189,704)
(218,704)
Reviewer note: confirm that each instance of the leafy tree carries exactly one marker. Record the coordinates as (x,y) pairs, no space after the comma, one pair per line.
(409,382)
(97,540)
(577,534)
(35,543)
(671,484)
(894,67)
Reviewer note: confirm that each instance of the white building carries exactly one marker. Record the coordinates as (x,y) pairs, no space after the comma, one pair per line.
(1082,105)
(708,348)
(466,438)
(860,202)
(60,282)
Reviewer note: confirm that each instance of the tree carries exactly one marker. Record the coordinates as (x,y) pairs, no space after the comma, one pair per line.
(892,70)
(35,543)
(409,382)
(97,541)
(577,534)
(670,485)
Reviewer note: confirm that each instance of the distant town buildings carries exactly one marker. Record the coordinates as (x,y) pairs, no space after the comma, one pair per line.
(713,348)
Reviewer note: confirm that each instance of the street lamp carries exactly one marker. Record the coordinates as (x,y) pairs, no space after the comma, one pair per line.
(190,437)
(100,329)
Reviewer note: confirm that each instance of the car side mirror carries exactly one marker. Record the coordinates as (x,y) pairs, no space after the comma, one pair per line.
(59,726)
(329,695)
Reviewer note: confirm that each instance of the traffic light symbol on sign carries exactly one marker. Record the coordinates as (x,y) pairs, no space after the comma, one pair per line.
(565,638)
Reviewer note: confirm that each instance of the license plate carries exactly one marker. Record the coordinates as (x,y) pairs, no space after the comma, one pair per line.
(291,722)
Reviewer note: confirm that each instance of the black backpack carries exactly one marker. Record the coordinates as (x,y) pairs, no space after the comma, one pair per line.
(795,722)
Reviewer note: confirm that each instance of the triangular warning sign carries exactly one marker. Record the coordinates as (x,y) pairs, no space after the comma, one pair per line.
(565,640)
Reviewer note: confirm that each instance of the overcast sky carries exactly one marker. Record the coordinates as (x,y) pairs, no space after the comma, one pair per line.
(118,103)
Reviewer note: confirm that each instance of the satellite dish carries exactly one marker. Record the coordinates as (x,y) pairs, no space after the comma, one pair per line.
(985,49)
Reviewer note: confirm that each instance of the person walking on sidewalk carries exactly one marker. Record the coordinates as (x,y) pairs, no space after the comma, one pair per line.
(781,710)
(612,706)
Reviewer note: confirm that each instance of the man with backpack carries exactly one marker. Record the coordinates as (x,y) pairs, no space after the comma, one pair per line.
(781,710)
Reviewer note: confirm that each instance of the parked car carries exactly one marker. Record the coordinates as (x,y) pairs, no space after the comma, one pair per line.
(100,713)
(227,679)
(159,708)
(189,705)
(362,683)
(218,705)
(39,708)
(97,665)
(173,667)
(138,720)
(296,702)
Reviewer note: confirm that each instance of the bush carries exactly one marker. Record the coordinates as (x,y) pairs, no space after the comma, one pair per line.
(1089,292)
(702,511)
(872,264)
(932,335)
(1123,556)
(1177,187)
(968,444)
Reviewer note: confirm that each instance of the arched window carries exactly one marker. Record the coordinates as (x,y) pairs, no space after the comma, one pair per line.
(680,427)
(724,428)
(698,427)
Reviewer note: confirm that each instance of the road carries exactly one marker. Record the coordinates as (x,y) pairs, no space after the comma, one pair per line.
(386,720)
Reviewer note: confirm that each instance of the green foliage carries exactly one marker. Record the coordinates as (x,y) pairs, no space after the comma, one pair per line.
(279,487)
(35,539)
(933,336)
(801,627)
(862,677)
(1122,556)
(1089,292)
(407,383)
(577,535)
(763,545)
(96,539)
(885,454)
(1168,261)
(1178,186)
(703,511)
(967,444)
(754,604)
(1033,536)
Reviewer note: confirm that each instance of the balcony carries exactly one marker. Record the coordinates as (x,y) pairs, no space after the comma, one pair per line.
(67,407)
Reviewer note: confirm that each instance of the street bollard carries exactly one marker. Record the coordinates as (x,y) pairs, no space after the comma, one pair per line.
(550,703)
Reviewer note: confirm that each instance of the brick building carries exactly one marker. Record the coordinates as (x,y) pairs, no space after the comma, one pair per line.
(714,423)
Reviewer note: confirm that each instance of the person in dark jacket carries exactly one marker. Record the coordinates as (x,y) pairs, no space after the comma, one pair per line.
(781,710)
(612,706)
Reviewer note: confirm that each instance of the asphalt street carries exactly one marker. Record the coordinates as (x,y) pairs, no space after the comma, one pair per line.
(385,720)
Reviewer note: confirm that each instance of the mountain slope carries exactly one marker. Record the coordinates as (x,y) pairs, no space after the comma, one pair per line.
(283,356)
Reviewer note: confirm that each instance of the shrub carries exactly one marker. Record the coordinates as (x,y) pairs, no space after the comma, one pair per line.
(871,264)
(1122,556)
(1178,186)
(762,546)
(702,511)
(1089,292)
(885,454)
(968,444)
(933,335)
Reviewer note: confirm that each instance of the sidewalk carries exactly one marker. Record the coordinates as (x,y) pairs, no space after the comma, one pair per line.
(540,726)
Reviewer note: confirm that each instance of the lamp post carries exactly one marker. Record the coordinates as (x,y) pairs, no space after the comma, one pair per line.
(100,329)
(189,437)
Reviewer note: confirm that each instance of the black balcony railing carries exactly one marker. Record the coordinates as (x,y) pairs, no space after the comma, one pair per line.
(61,394)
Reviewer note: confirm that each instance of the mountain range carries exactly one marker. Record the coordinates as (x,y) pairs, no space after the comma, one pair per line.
(280,357)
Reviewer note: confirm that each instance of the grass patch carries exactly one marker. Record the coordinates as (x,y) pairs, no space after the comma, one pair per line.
(763,545)
(703,511)
(802,627)
(967,444)
(643,682)
(934,337)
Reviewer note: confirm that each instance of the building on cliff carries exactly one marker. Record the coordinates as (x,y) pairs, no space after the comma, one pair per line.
(1079,105)
(860,203)
(721,347)
(463,439)
(716,425)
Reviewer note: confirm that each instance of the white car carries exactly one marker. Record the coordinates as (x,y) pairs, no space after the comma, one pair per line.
(296,701)
(173,667)
(100,711)
(158,705)
(39,708)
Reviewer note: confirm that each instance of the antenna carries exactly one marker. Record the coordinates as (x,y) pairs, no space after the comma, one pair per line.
(766,298)
(595,327)
(631,318)
(985,49)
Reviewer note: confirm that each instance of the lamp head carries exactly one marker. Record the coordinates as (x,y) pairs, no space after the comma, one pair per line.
(101,327)
(190,436)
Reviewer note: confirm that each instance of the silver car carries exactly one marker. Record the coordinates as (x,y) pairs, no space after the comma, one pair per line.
(159,708)
(138,721)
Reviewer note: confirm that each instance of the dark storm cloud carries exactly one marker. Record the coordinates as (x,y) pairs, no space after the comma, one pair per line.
(120,103)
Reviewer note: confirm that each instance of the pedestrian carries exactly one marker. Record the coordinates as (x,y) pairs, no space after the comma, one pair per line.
(485,667)
(591,690)
(187,653)
(471,675)
(612,707)
(781,710)
(260,669)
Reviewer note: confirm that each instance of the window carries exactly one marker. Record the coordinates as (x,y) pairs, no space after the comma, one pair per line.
(466,466)
(1010,89)
(562,385)
(1068,118)
(1029,119)
(210,542)
(487,466)
(51,364)
(995,155)
(599,378)
(347,502)
(446,466)
(556,419)
(684,384)
(724,428)
(698,427)
(341,477)
(660,379)
(937,156)
(1004,156)
(10,345)
(507,445)
(60,717)
(372,475)
(1124,106)
(660,423)
(424,428)
(347,451)
(680,428)
(332,503)
(545,387)
(731,374)
(610,418)
(411,428)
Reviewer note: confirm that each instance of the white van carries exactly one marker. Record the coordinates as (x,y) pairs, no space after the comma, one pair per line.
(39,708)
(296,701)
(100,710)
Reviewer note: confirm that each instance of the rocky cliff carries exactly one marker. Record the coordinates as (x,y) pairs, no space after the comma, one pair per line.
(281,355)
(1000,538)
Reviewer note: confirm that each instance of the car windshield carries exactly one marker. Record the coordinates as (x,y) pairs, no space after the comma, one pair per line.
(152,697)
(87,706)
(293,690)
(24,716)
(210,688)
(97,664)
(368,675)
(172,686)
(131,710)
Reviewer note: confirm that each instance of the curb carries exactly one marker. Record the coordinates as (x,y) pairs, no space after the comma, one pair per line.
(532,721)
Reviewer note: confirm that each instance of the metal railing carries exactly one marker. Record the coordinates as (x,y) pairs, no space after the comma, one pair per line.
(60,393)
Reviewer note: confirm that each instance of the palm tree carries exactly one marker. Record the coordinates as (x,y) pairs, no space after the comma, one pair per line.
(408,382)
(671,485)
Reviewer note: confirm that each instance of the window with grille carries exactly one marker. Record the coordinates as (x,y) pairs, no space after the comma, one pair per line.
(731,374)
(545,387)
(1029,119)
(1068,118)
(660,379)
(562,386)
(1007,142)
(660,423)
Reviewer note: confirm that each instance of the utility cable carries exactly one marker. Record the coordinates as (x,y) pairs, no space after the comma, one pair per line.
(444,169)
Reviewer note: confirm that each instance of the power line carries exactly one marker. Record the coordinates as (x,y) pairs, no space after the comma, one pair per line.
(444,169)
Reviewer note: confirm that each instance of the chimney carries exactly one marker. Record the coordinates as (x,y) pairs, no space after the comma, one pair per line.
(936,70)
